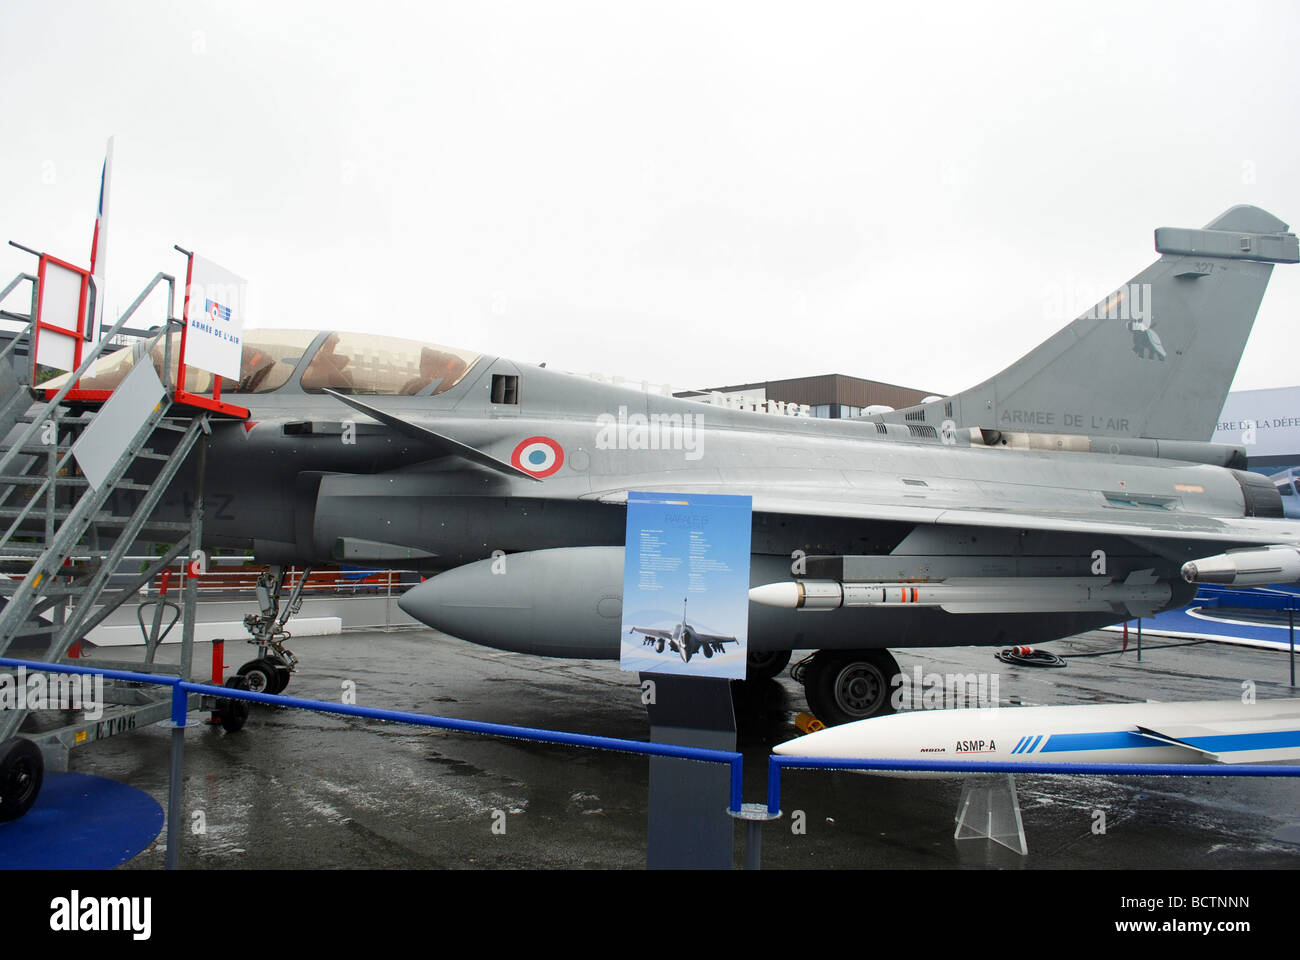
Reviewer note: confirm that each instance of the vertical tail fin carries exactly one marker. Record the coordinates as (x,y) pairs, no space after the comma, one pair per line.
(99,245)
(1154,359)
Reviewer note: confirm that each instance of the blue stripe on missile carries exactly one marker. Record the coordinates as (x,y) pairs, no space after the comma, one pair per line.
(1125,740)
(1230,742)
(1116,740)
(1020,744)
(1034,745)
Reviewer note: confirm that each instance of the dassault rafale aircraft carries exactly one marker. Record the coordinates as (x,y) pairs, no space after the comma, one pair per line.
(1074,489)
(684,640)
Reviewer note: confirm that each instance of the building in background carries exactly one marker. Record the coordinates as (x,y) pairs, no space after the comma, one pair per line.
(1267,424)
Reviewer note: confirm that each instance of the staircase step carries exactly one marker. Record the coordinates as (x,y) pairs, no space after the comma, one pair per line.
(28,478)
(104,520)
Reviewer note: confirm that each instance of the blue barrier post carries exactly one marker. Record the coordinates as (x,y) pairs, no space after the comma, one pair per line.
(175,781)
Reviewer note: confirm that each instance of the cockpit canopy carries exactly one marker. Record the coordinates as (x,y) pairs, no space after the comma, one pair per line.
(306,360)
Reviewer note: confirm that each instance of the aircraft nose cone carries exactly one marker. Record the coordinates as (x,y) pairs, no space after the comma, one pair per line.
(561,603)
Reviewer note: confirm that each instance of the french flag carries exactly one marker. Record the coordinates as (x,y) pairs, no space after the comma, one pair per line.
(99,244)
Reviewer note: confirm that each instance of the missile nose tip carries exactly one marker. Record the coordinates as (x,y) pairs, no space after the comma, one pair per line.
(1189,572)
(776,594)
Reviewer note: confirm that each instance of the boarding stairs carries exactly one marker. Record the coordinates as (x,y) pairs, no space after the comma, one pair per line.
(64,533)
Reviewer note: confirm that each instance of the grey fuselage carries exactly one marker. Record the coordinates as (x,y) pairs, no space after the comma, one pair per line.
(307,473)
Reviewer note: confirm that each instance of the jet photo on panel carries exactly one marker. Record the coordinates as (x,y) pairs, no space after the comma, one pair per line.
(686,585)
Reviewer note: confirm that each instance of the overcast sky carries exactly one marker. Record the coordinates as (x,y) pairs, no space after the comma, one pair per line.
(693,193)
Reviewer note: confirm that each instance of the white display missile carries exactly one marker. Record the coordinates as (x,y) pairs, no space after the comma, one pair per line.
(1248,567)
(1211,731)
(1138,595)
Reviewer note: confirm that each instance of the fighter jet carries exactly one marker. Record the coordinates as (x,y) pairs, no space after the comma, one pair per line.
(684,639)
(1062,495)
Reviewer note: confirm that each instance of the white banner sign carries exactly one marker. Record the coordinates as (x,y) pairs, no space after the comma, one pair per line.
(216,319)
(60,304)
(1265,422)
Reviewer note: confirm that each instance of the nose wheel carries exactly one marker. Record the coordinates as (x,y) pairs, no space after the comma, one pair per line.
(266,674)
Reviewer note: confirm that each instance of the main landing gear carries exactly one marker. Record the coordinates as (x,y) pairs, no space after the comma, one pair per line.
(275,663)
(766,664)
(846,685)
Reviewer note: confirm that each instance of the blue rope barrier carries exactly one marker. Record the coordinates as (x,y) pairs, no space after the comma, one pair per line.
(181,688)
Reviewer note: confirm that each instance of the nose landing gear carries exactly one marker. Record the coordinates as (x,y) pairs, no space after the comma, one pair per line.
(275,663)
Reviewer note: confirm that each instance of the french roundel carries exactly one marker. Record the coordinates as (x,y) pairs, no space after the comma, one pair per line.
(540,456)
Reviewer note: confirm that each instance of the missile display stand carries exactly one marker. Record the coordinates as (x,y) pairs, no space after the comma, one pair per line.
(687,826)
(989,809)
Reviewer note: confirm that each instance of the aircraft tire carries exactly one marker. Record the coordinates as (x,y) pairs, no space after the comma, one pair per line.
(846,685)
(234,713)
(261,675)
(22,771)
(282,674)
(766,665)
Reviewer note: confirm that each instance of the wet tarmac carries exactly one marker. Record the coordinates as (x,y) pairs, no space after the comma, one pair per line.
(303,790)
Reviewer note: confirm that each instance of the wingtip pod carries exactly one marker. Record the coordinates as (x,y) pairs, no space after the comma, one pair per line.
(1253,567)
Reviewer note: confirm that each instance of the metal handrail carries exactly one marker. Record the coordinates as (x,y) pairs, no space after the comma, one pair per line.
(24,333)
(14,283)
(86,362)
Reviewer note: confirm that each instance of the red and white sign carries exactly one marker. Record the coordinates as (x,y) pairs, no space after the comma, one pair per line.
(215,307)
(60,313)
